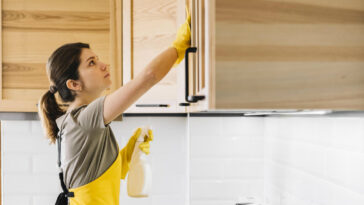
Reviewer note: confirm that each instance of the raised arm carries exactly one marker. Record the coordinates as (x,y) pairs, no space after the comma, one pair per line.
(121,99)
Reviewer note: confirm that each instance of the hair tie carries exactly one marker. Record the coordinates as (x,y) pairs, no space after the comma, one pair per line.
(52,89)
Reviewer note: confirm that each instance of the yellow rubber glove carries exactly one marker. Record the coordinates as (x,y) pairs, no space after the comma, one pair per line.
(127,151)
(183,39)
(144,146)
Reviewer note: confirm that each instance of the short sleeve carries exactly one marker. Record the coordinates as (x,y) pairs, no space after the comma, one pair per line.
(92,116)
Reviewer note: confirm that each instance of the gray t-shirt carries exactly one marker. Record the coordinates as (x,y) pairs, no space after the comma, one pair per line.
(88,146)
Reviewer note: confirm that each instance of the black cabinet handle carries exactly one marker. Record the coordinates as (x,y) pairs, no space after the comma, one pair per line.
(188,98)
(151,105)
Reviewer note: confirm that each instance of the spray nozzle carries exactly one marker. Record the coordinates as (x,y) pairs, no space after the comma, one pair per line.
(144,134)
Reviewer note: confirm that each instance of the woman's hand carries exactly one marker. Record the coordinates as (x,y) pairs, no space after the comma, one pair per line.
(183,38)
(144,146)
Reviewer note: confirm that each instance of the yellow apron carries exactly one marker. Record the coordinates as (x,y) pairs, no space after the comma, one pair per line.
(104,190)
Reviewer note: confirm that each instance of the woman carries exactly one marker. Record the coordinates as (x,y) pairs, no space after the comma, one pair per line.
(91,161)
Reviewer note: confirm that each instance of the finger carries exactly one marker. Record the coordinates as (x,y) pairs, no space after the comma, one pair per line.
(137,132)
(144,145)
(151,136)
(146,152)
(145,149)
(187,11)
(188,16)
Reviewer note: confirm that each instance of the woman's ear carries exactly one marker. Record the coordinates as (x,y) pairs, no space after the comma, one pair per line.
(74,85)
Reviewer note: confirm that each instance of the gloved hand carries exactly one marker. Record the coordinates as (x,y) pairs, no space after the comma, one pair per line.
(127,151)
(144,146)
(183,39)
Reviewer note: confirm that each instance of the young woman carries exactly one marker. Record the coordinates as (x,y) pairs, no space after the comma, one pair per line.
(91,160)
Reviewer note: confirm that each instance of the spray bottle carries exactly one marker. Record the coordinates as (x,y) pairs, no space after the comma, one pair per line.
(139,181)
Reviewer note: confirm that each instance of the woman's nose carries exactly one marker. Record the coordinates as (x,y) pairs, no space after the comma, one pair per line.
(103,66)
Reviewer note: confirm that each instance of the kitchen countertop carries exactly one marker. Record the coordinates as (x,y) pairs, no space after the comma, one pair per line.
(250,113)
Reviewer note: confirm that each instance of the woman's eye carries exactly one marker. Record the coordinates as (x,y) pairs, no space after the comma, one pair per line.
(92,63)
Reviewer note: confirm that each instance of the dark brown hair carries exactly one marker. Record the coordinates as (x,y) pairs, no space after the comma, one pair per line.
(62,65)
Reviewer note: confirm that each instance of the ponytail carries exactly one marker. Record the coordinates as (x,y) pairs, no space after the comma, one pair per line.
(49,111)
(62,65)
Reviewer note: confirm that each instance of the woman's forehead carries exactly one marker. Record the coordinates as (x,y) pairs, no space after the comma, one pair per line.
(86,54)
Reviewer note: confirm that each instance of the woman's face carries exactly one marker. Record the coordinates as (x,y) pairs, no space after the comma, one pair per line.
(93,71)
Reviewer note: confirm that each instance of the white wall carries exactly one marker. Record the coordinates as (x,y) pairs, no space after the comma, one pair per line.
(281,160)
(226,159)
(314,161)
(218,173)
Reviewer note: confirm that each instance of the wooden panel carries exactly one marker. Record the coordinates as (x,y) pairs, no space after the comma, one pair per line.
(17,44)
(205,35)
(201,45)
(56,20)
(64,5)
(33,29)
(24,94)
(152,29)
(1,56)
(264,11)
(18,105)
(347,4)
(288,54)
(290,34)
(274,85)
(24,75)
(116,43)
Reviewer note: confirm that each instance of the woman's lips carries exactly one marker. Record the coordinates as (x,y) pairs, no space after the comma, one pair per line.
(107,75)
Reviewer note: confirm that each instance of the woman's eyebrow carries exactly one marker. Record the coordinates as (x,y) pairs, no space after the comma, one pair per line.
(92,57)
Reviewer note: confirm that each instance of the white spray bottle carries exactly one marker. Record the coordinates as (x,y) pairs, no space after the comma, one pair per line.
(139,181)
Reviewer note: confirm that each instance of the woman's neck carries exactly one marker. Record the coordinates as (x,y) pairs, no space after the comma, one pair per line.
(78,102)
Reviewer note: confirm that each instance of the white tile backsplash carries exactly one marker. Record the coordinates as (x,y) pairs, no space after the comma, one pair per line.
(315,161)
(211,160)
(226,159)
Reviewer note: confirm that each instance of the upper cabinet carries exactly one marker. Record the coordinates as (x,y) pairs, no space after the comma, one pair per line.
(277,54)
(245,54)
(149,27)
(32,29)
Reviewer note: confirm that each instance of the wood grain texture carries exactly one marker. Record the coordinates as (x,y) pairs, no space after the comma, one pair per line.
(1,58)
(32,30)
(264,11)
(56,20)
(116,43)
(152,29)
(64,5)
(0,162)
(1,97)
(289,54)
(24,75)
(36,46)
(291,85)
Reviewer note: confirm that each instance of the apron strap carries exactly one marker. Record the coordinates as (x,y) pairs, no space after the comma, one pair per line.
(63,185)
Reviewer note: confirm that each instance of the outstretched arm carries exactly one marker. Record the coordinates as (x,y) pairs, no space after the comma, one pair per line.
(121,99)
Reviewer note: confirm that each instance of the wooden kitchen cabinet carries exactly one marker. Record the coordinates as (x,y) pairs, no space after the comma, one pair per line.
(277,54)
(32,29)
(149,27)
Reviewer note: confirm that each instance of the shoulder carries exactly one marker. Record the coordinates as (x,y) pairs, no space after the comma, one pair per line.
(92,115)
(87,116)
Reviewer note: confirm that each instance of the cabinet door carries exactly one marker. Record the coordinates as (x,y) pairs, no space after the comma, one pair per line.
(149,27)
(289,54)
(282,54)
(197,65)
(33,29)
